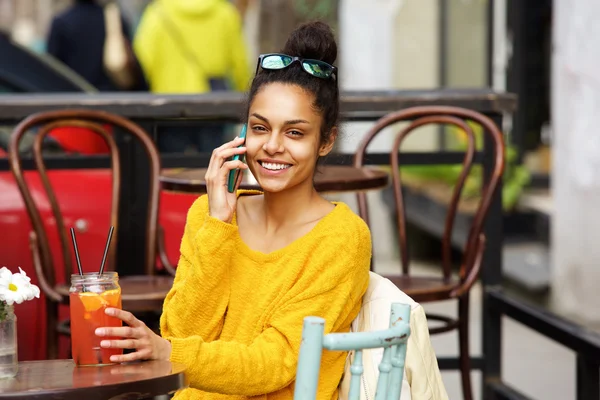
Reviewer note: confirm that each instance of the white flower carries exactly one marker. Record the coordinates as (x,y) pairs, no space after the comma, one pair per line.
(5,274)
(16,288)
(24,275)
(34,290)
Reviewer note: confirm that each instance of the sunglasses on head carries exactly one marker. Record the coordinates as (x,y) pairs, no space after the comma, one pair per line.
(317,68)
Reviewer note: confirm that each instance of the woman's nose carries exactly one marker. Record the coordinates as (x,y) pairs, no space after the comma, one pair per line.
(274,144)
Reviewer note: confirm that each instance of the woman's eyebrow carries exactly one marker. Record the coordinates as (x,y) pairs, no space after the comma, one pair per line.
(289,122)
(296,121)
(260,117)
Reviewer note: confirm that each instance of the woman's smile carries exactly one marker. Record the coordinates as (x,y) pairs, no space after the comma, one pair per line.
(274,167)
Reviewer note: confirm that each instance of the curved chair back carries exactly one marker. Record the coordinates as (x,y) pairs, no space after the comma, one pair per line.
(458,117)
(94,121)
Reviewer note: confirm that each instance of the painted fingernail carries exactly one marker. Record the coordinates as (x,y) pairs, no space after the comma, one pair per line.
(114,358)
(105,343)
(109,311)
(100,332)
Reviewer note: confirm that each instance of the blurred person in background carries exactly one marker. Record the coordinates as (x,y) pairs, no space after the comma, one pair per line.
(94,40)
(77,38)
(192,46)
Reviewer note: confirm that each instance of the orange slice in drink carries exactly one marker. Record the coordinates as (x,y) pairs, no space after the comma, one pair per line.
(112,298)
(94,301)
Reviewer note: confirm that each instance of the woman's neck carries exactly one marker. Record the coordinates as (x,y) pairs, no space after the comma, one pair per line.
(286,208)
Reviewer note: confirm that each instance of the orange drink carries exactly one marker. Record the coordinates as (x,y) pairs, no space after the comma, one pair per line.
(90,296)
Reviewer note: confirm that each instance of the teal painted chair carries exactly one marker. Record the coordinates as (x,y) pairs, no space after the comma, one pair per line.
(391,368)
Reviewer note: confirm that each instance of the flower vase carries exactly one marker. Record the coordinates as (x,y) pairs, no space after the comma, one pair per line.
(8,341)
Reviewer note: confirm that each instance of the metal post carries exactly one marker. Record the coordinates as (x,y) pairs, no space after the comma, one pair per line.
(491,274)
(133,207)
(588,378)
(517,72)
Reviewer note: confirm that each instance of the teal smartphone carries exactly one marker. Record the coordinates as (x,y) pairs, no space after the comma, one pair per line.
(234,173)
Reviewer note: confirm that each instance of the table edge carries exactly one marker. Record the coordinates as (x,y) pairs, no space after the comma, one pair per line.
(174,381)
(173,185)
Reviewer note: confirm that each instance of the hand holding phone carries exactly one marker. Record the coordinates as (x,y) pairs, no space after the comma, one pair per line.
(224,166)
(234,173)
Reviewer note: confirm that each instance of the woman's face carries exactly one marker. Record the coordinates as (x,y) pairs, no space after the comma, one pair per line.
(283,141)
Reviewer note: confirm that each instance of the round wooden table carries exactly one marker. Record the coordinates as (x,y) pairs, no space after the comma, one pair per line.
(62,379)
(329,178)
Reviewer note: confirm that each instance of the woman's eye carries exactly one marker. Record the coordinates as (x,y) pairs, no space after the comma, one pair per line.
(295,133)
(258,128)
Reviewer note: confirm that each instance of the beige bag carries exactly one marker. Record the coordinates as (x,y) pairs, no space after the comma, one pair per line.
(118,57)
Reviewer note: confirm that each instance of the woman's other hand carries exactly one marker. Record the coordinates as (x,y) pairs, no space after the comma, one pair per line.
(221,203)
(148,345)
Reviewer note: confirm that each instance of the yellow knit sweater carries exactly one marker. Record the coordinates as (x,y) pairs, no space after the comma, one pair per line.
(234,315)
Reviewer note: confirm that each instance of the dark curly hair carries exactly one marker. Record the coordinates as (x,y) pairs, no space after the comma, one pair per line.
(313,40)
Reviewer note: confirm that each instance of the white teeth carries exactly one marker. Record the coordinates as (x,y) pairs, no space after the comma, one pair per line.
(274,167)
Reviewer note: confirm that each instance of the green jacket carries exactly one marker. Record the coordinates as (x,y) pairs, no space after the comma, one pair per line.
(181,44)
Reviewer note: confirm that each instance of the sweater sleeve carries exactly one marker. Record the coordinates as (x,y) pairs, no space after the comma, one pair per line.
(202,272)
(331,288)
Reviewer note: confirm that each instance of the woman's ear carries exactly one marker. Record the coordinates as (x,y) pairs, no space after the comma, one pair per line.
(328,145)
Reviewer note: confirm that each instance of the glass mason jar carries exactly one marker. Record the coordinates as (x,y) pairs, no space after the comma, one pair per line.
(90,295)
(8,342)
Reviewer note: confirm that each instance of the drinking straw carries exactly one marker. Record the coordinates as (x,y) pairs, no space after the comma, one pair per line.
(110,233)
(76,251)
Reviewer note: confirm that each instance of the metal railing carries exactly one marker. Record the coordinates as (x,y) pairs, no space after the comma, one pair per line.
(584,342)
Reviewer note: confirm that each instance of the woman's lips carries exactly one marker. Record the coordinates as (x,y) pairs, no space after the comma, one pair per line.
(273,168)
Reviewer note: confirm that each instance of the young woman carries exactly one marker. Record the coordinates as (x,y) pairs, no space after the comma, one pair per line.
(254,264)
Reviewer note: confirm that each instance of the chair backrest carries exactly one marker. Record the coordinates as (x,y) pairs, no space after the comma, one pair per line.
(391,369)
(425,115)
(94,121)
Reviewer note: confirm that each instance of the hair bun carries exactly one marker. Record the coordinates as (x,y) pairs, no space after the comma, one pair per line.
(312,40)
